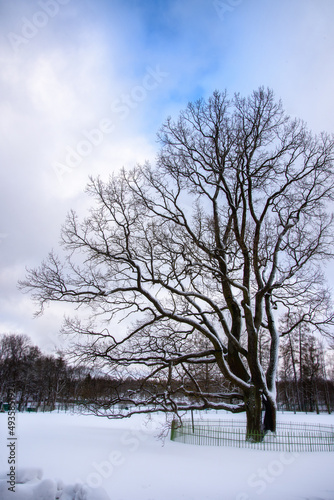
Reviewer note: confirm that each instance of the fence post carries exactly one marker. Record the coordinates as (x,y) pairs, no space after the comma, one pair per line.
(172,431)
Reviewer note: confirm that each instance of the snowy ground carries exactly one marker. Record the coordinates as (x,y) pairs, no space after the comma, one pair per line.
(75,457)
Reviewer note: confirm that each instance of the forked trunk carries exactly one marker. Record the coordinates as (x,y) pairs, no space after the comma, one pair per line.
(256,427)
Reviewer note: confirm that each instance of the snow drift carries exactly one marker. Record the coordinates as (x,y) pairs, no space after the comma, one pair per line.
(31,486)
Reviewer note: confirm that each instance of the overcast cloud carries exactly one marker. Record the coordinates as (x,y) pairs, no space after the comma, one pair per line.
(86,84)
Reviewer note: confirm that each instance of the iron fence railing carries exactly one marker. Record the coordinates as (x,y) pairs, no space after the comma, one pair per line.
(292,437)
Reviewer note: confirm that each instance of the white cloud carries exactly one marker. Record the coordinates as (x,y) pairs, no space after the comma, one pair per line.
(49,94)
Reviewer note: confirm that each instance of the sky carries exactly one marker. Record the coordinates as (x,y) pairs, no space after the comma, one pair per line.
(86,84)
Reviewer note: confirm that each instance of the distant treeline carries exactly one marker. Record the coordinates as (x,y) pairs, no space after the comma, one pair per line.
(41,380)
(44,381)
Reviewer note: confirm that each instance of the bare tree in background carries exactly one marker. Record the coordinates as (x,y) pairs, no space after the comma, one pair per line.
(225,234)
(303,369)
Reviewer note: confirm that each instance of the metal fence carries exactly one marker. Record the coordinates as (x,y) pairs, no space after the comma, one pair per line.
(292,437)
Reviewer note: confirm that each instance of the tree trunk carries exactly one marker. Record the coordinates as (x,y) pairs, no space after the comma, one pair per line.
(270,411)
(256,428)
(294,372)
(254,415)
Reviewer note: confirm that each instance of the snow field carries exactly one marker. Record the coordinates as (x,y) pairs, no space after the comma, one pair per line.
(76,457)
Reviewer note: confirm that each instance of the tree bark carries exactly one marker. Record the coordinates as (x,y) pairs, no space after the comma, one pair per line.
(270,412)
(253,402)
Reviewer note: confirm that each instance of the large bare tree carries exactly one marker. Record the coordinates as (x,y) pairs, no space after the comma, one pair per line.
(199,256)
